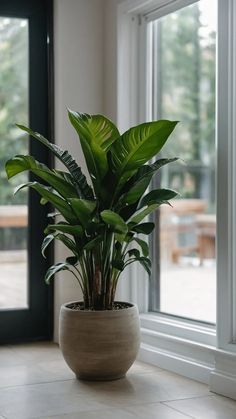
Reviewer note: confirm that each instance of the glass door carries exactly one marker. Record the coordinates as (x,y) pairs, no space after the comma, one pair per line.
(14,91)
(25,301)
(183,89)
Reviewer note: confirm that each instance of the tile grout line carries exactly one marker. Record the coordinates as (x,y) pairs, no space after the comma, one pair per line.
(165,403)
(187,398)
(160,403)
(35,384)
(177,410)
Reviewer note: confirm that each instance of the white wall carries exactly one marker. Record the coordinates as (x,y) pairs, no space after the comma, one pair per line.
(79,84)
(110,70)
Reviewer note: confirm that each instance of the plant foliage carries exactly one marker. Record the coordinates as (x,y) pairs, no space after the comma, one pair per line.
(100,224)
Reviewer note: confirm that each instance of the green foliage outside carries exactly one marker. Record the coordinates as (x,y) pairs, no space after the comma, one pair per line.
(13,99)
(13,107)
(186,92)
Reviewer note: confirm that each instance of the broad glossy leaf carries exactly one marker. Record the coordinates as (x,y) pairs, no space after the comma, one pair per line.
(75,230)
(142,214)
(93,243)
(96,135)
(83,209)
(69,243)
(144,228)
(59,203)
(118,264)
(61,266)
(72,260)
(158,196)
(115,221)
(134,252)
(138,145)
(47,240)
(128,210)
(137,184)
(146,263)
(80,181)
(21,163)
(143,245)
(94,227)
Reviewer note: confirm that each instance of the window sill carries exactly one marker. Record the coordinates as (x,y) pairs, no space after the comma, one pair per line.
(179,328)
(181,346)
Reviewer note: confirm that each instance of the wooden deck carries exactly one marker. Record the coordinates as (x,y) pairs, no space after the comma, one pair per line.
(13,216)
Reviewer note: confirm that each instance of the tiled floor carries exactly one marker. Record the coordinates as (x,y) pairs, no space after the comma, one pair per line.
(36,383)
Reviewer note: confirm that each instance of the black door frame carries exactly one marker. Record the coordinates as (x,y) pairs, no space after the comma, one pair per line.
(36,321)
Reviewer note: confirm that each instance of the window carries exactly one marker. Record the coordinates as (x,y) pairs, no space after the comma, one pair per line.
(189,347)
(182,62)
(25,51)
(14,92)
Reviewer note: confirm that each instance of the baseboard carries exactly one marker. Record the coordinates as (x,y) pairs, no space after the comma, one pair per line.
(188,367)
(223,384)
(223,377)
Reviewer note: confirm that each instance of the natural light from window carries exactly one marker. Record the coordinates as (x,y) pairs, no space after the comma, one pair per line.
(183,89)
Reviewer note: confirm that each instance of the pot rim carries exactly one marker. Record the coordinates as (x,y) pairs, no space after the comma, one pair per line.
(131,306)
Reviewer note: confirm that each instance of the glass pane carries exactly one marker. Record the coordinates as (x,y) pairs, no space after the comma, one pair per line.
(184,90)
(13,210)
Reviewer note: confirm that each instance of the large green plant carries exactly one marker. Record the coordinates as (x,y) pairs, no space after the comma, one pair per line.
(100,224)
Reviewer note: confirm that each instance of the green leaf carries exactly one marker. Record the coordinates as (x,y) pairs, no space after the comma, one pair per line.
(83,209)
(134,252)
(70,244)
(59,203)
(144,228)
(137,184)
(143,245)
(94,227)
(93,243)
(146,263)
(158,196)
(72,260)
(118,264)
(114,220)
(47,240)
(21,163)
(138,145)
(61,266)
(75,230)
(142,214)
(96,135)
(79,179)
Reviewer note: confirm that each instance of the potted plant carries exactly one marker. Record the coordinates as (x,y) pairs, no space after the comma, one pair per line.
(100,223)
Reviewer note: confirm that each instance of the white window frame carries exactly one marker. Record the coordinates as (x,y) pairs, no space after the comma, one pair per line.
(187,347)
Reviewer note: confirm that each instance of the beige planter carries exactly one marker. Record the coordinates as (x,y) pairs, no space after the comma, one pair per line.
(99,345)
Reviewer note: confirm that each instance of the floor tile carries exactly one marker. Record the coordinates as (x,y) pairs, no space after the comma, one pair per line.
(37,383)
(155,411)
(34,374)
(32,364)
(9,357)
(43,400)
(98,414)
(143,388)
(37,352)
(32,353)
(211,407)
(142,368)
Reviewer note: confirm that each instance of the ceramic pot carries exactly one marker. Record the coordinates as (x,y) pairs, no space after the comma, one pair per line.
(99,345)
